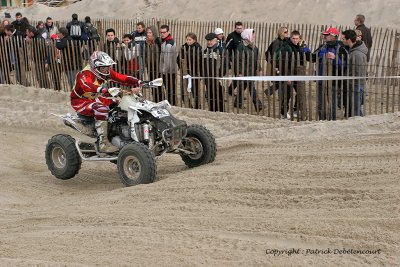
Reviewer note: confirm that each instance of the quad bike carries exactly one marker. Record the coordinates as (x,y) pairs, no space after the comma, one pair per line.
(141,131)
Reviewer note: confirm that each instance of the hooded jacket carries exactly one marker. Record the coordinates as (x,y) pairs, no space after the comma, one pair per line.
(358,62)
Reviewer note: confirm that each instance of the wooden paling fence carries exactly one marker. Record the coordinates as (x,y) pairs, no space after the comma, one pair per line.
(39,63)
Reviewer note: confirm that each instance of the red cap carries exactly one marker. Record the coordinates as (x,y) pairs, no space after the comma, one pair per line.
(54,36)
(331,31)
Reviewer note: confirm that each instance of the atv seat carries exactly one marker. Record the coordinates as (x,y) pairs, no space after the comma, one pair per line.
(86,120)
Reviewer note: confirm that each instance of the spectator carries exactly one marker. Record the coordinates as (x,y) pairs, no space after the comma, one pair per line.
(2,25)
(111,44)
(9,62)
(151,58)
(39,55)
(139,35)
(290,56)
(139,38)
(232,42)
(168,63)
(214,65)
(90,31)
(10,32)
(16,44)
(357,68)
(221,37)
(70,55)
(331,52)
(189,60)
(20,25)
(282,35)
(49,29)
(129,60)
(249,65)
(54,62)
(91,36)
(366,32)
(40,28)
(75,28)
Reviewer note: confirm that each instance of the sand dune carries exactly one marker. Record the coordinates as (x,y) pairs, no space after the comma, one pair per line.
(275,184)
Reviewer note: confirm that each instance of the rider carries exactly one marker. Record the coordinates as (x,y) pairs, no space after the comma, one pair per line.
(89,94)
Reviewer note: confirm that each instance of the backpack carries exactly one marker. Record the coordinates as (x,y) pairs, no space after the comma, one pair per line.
(91,32)
(76,30)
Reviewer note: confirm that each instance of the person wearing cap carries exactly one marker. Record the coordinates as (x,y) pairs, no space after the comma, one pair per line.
(214,65)
(366,36)
(332,61)
(358,68)
(249,65)
(221,37)
(70,54)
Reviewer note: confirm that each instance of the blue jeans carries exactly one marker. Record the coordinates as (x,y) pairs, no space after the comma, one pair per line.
(358,95)
(323,103)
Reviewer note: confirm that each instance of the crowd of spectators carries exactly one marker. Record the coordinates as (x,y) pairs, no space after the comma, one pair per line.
(153,51)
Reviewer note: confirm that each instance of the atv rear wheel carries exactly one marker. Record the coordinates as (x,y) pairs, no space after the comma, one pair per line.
(136,165)
(62,157)
(201,142)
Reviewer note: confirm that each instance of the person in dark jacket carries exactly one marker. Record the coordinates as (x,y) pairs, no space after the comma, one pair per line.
(290,57)
(214,65)
(366,32)
(232,42)
(112,44)
(20,24)
(282,35)
(139,39)
(221,37)
(75,28)
(189,60)
(70,55)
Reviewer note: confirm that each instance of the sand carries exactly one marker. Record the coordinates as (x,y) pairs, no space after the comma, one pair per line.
(275,184)
(314,190)
(384,13)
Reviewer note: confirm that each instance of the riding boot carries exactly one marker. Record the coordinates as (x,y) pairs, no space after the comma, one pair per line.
(102,132)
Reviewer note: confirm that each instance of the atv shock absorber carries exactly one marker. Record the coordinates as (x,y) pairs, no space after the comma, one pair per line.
(146,132)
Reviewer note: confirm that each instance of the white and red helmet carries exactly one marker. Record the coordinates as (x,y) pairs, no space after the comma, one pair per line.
(100,59)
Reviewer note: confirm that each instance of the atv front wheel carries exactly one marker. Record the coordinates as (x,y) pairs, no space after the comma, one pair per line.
(136,165)
(62,157)
(201,143)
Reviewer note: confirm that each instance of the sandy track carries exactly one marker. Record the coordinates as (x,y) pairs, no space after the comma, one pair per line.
(275,184)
